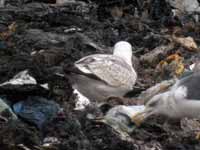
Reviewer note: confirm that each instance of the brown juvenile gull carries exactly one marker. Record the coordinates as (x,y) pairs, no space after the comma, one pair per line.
(100,76)
(180,101)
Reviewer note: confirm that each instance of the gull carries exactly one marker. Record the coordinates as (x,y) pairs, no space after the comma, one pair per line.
(100,76)
(182,100)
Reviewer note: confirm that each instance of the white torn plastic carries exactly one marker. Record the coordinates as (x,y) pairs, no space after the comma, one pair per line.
(126,110)
(119,118)
(33,53)
(73,29)
(22,146)
(184,6)
(45,86)
(48,141)
(192,66)
(21,78)
(195,67)
(81,101)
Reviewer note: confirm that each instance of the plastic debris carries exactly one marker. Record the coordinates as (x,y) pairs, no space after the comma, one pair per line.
(119,117)
(184,6)
(6,108)
(45,86)
(195,67)
(22,146)
(191,67)
(48,141)
(117,12)
(152,57)
(37,110)
(73,29)
(50,36)
(11,29)
(3,45)
(81,100)
(186,42)
(191,126)
(24,83)
(20,79)
(173,65)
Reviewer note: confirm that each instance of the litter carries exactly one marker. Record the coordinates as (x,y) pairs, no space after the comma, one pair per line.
(37,110)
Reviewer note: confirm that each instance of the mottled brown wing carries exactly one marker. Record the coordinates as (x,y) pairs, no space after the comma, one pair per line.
(111,69)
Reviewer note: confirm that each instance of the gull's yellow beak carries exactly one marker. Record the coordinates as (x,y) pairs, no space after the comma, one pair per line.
(139,117)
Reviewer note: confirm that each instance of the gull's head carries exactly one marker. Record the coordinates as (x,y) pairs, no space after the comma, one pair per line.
(157,105)
(123,49)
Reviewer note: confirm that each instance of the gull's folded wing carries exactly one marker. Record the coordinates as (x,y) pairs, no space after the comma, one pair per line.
(111,69)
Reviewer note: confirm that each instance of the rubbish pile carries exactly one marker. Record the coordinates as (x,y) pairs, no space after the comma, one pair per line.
(41,39)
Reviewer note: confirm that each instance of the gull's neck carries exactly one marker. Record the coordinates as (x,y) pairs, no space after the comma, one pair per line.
(128,60)
(126,55)
(189,108)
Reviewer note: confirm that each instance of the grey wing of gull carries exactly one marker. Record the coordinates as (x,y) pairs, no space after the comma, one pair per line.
(111,69)
(192,83)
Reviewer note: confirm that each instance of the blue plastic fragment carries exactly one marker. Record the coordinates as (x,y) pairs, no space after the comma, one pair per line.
(3,45)
(37,110)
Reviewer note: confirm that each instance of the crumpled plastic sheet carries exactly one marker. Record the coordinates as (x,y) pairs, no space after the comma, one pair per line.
(119,118)
(20,79)
(37,110)
(5,107)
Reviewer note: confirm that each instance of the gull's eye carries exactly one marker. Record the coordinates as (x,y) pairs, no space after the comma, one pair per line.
(152,104)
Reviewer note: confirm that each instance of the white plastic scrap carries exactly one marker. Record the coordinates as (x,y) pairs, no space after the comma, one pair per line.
(126,110)
(192,66)
(73,29)
(81,100)
(132,110)
(45,86)
(48,141)
(187,6)
(22,146)
(21,78)
(119,119)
